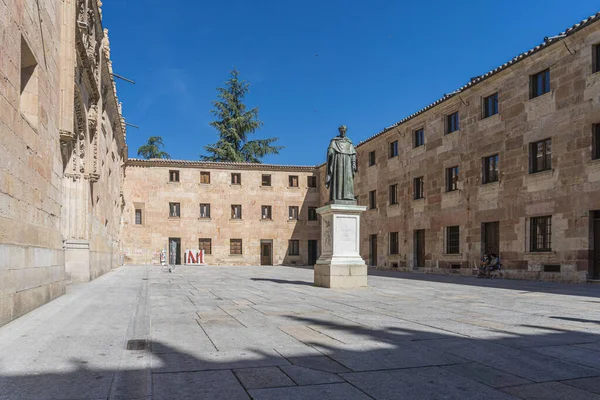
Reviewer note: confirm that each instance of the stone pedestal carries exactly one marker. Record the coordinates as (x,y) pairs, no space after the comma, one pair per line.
(340,264)
(77,260)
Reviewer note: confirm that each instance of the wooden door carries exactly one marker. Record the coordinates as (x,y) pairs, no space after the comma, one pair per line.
(266,252)
(419,248)
(312,252)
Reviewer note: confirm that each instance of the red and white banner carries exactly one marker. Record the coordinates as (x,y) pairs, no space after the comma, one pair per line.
(193,257)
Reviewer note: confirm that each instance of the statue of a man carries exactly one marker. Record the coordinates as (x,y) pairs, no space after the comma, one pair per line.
(341,166)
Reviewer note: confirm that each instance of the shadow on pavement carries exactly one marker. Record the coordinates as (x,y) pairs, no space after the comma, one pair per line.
(284,281)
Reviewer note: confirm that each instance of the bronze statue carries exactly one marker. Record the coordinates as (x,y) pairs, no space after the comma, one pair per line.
(341,167)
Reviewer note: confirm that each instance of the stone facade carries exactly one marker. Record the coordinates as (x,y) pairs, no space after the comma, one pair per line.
(149,188)
(62,144)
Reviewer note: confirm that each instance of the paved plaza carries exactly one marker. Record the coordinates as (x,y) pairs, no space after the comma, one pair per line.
(266,333)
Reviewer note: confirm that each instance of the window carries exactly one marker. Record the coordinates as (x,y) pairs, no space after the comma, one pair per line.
(419,137)
(595,141)
(174,210)
(293,212)
(540,156)
(452,240)
(393,242)
(235,246)
(293,180)
(452,123)
(28,100)
(596,58)
(206,245)
(236,211)
(541,233)
(311,181)
(371,158)
(393,190)
(539,83)
(451,179)
(138,216)
(293,247)
(266,212)
(205,177)
(266,180)
(490,105)
(372,199)
(236,179)
(418,187)
(394,149)
(204,210)
(312,213)
(490,169)
(173,176)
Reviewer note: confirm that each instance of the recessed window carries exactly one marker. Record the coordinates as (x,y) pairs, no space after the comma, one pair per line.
(419,137)
(372,199)
(236,211)
(490,169)
(173,176)
(393,191)
(138,216)
(205,177)
(311,181)
(490,105)
(174,210)
(394,243)
(452,123)
(540,156)
(595,141)
(28,100)
(204,210)
(266,212)
(294,247)
(205,244)
(312,213)
(235,246)
(371,158)
(540,233)
(236,179)
(293,212)
(539,83)
(595,58)
(394,149)
(419,188)
(452,240)
(451,179)
(293,180)
(266,180)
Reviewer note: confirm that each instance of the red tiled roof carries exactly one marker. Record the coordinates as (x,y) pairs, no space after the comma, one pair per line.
(162,162)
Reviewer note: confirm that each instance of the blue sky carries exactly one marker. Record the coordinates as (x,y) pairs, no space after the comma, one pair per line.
(312,65)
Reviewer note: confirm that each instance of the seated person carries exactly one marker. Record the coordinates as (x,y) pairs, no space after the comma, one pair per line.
(494,263)
(484,265)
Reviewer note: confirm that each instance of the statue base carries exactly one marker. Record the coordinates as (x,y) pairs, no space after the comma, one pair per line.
(340,264)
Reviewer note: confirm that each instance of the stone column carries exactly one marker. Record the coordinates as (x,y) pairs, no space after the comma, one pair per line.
(340,264)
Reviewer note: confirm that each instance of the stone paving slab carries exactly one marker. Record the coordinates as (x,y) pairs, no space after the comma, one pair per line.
(589,384)
(335,391)
(306,376)
(486,375)
(267,377)
(214,385)
(550,391)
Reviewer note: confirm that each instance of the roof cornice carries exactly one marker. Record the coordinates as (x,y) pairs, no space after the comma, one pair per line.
(161,162)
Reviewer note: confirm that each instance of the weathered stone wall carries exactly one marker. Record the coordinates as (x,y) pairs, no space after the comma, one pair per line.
(568,191)
(147,187)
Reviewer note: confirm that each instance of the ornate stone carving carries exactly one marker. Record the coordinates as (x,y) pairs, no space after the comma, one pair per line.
(66,146)
(93,118)
(80,133)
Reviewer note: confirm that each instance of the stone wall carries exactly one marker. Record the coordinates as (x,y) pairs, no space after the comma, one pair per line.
(147,188)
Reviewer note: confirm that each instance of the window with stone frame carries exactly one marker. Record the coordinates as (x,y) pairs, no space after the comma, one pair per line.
(540,156)
(419,188)
(452,240)
(596,58)
(205,210)
(490,105)
(174,210)
(393,194)
(266,212)
(293,180)
(311,181)
(235,246)
(138,216)
(236,178)
(539,83)
(419,137)
(293,247)
(490,169)
(236,211)
(312,213)
(205,177)
(451,179)
(205,244)
(173,175)
(372,199)
(595,141)
(452,123)
(540,233)
(393,149)
(266,180)
(394,243)
(371,158)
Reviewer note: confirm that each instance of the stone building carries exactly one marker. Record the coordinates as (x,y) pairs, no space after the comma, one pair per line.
(62,148)
(239,213)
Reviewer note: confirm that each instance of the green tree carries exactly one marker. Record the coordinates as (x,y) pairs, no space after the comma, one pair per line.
(234,124)
(152,149)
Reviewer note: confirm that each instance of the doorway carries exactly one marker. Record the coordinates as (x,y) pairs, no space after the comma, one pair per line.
(419,248)
(174,251)
(490,238)
(595,265)
(266,252)
(312,252)
(373,250)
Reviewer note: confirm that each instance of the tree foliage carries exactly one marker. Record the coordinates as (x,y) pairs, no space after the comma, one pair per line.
(152,149)
(235,124)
